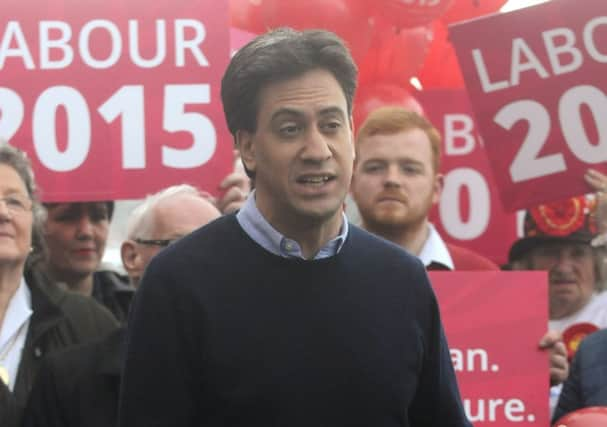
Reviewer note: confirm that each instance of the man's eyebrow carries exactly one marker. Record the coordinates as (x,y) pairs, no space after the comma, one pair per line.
(285,112)
(398,160)
(410,160)
(332,110)
(375,160)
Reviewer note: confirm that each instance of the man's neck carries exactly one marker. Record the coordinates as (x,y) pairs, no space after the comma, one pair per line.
(313,235)
(411,237)
(310,233)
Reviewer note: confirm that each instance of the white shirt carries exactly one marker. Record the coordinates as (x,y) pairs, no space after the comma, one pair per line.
(435,250)
(594,312)
(15,324)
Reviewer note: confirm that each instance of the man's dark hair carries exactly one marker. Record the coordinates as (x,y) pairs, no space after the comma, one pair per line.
(276,56)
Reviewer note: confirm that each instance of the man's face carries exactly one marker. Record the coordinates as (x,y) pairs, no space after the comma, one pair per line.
(171,219)
(571,275)
(394,183)
(76,234)
(302,152)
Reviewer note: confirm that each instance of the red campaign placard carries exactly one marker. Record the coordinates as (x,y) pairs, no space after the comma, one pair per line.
(493,322)
(469,213)
(115,99)
(537,80)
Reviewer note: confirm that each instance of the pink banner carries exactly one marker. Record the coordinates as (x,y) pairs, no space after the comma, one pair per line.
(537,82)
(238,38)
(470,213)
(115,99)
(494,321)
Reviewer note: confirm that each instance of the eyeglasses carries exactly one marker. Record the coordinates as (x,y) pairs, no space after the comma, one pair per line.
(16,204)
(155,242)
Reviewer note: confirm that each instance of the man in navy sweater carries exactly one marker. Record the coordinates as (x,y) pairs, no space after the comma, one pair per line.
(318,323)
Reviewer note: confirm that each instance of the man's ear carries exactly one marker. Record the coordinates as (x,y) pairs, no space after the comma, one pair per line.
(131,259)
(246,147)
(439,182)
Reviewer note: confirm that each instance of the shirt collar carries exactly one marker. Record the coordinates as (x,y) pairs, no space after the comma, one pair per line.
(435,250)
(18,312)
(261,231)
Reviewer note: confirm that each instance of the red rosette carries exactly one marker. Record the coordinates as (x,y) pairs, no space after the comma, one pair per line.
(574,334)
(560,218)
(592,416)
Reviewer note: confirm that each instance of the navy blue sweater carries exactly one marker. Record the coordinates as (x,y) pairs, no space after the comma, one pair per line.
(223,333)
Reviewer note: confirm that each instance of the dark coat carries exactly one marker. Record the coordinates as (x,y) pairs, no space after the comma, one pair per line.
(78,387)
(8,407)
(113,291)
(587,382)
(60,319)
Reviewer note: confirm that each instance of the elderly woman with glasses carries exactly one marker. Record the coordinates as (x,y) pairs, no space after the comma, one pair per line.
(36,317)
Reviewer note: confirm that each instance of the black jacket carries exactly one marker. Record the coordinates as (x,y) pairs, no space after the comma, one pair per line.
(8,407)
(59,319)
(79,387)
(114,291)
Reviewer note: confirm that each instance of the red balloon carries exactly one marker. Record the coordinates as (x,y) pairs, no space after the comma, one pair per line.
(247,15)
(394,55)
(371,97)
(468,9)
(411,13)
(347,18)
(593,416)
(441,68)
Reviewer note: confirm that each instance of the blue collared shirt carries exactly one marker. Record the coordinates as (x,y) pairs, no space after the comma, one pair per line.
(260,230)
